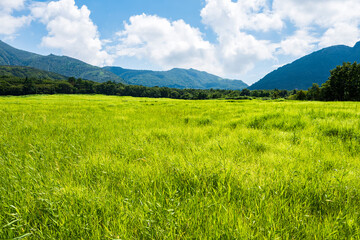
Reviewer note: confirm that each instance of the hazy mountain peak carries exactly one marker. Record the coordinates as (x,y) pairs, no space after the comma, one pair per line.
(176,78)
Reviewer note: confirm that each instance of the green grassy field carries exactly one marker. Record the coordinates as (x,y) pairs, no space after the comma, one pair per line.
(99,167)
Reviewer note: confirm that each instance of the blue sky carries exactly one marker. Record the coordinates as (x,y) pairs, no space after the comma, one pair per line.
(239,39)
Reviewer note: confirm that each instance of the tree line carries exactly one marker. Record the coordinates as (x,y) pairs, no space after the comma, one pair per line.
(342,85)
(25,86)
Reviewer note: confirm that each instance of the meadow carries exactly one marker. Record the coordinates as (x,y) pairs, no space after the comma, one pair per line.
(106,167)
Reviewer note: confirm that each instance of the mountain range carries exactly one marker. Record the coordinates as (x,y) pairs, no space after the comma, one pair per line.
(300,74)
(70,67)
(313,68)
(58,64)
(176,78)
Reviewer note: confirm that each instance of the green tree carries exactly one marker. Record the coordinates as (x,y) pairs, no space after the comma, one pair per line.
(275,94)
(201,95)
(313,92)
(29,86)
(326,92)
(72,80)
(245,92)
(343,83)
(64,87)
(337,79)
(301,95)
(352,83)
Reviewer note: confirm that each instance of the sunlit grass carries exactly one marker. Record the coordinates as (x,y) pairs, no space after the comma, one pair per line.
(99,167)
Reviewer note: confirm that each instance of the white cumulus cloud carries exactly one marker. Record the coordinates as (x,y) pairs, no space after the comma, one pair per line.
(71,30)
(340,33)
(9,5)
(229,16)
(238,50)
(168,44)
(299,44)
(10,24)
(177,44)
(324,13)
(327,22)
